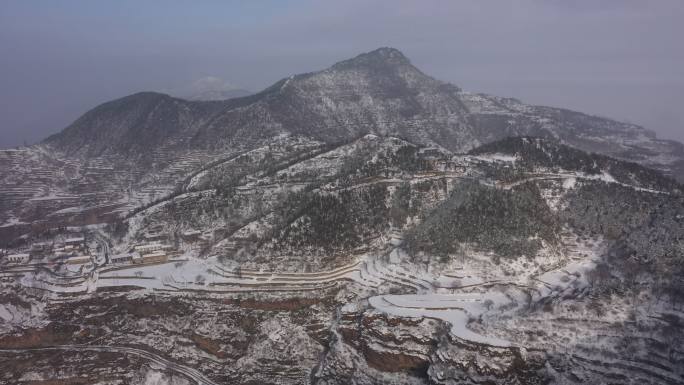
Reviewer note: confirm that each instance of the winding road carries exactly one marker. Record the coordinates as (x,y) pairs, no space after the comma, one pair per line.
(193,374)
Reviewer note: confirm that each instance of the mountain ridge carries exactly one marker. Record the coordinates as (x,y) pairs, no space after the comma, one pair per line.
(378,92)
(245,242)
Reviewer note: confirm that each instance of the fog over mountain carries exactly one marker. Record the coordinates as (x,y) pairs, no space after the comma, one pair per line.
(619,59)
(310,193)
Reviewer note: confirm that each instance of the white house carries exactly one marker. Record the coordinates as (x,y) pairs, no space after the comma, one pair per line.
(74,242)
(155,257)
(123,258)
(150,247)
(18,258)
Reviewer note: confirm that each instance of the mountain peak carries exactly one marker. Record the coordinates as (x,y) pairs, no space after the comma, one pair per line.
(387,53)
(381,57)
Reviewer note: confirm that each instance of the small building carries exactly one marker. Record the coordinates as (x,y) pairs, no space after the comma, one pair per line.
(6,279)
(64,251)
(78,260)
(154,237)
(431,152)
(41,247)
(118,259)
(191,235)
(75,242)
(155,257)
(150,247)
(21,258)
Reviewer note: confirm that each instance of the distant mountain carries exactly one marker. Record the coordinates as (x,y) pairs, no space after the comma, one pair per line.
(532,153)
(378,92)
(133,125)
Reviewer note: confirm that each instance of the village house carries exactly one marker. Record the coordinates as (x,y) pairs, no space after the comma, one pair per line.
(41,247)
(153,257)
(78,260)
(118,259)
(64,251)
(430,152)
(21,258)
(6,278)
(150,247)
(150,237)
(75,242)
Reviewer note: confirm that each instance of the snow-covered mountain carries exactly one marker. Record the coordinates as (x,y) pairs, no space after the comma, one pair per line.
(212,95)
(363,224)
(379,92)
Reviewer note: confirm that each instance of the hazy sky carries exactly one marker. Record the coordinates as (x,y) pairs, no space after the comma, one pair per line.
(616,58)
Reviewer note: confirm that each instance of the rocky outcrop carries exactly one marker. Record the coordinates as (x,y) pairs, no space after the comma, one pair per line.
(462,362)
(420,350)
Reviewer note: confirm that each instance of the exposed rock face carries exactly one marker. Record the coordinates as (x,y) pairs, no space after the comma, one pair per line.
(462,362)
(389,344)
(421,351)
(370,347)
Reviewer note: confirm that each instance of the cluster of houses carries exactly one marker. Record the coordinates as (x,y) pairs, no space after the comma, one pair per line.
(72,251)
(17,258)
(434,159)
(150,252)
(153,249)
